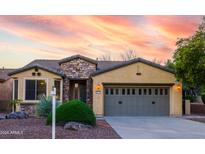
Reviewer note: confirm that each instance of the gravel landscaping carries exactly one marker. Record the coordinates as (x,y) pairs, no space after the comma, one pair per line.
(35,128)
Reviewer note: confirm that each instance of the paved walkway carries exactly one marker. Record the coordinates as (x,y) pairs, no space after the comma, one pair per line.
(157,128)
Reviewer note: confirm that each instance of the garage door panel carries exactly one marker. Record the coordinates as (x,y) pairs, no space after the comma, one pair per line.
(139,105)
(148,107)
(111,107)
(130,106)
(136,101)
(163,105)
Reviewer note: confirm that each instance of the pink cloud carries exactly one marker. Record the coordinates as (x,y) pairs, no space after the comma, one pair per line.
(150,36)
(175,26)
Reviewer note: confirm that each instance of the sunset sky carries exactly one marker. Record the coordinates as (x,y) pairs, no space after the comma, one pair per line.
(25,38)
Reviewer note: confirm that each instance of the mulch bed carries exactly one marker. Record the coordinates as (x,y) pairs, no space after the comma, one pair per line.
(35,128)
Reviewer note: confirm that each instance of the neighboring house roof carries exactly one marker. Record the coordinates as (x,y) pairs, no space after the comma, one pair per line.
(78,56)
(4,74)
(125,63)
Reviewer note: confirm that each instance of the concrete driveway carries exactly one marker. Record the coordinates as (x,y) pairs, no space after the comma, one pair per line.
(156,128)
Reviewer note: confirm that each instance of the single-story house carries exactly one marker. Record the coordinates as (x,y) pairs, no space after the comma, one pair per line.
(112,88)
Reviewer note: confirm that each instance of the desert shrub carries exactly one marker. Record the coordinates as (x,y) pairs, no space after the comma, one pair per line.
(74,110)
(44,107)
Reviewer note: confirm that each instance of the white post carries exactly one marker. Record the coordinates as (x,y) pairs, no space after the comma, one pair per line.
(53,94)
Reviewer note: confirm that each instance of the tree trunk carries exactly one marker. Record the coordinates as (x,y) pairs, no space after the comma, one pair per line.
(199,100)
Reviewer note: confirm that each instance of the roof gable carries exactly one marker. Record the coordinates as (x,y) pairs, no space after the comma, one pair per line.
(51,70)
(76,57)
(136,60)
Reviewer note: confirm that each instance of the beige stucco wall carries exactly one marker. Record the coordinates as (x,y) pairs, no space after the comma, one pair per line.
(128,75)
(176,100)
(49,77)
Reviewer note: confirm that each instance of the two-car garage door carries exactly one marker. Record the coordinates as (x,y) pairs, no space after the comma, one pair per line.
(136,101)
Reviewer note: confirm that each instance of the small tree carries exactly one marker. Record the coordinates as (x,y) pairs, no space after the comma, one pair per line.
(189,59)
(170,64)
(105,57)
(14,103)
(157,61)
(129,55)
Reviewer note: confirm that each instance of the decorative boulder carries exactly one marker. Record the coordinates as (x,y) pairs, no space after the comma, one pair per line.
(2,117)
(17,115)
(77,126)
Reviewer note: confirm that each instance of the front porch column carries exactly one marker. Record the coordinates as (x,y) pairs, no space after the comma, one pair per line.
(66,89)
(89,92)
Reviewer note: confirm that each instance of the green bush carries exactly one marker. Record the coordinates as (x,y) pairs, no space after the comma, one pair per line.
(44,107)
(73,110)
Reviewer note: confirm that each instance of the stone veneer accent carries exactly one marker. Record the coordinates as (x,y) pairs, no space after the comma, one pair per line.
(66,85)
(89,92)
(78,69)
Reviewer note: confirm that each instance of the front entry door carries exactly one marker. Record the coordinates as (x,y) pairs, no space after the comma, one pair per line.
(82,92)
(78,91)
